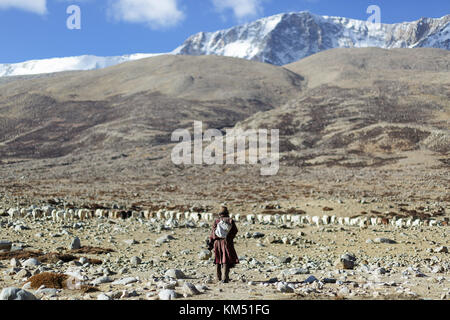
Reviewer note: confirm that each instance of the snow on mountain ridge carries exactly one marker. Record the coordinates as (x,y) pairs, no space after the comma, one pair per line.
(85,62)
(289,37)
(280,39)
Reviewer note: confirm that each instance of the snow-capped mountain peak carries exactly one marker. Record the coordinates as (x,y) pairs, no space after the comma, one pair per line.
(280,39)
(289,37)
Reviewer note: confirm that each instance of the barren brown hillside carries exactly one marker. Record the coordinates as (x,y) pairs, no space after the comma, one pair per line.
(355,123)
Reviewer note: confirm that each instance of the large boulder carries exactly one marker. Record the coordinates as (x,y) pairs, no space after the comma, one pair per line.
(16,294)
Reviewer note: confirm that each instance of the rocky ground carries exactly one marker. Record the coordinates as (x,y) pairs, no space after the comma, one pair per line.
(277,261)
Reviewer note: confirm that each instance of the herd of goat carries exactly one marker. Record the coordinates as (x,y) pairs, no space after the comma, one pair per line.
(60,216)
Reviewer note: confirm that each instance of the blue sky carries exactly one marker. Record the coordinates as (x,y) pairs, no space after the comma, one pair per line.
(36,29)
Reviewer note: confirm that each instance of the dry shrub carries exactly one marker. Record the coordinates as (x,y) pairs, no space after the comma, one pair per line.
(95,261)
(49,280)
(20,255)
(88,289)
(91,250)
(55,257)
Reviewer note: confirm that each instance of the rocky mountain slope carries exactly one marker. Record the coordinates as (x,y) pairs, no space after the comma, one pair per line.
(365,107)
(348,107)
(135,104)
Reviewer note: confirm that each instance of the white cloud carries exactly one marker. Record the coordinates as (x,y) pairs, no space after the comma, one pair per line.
(35,6)
(241,8)
(155,13)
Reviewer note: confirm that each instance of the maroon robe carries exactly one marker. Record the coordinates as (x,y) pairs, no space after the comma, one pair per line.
(224,248)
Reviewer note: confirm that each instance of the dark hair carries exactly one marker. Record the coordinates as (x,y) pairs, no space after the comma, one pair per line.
(224,212)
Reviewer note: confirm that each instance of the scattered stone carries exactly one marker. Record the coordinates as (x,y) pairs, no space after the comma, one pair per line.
(348,256)
(175,274)
(26,286)
(101,280)
(16,294)
(205,255)
(272,280)
(130,242)
(438,269)
(76,244)
(164,239)
(24,273)
(47,291)
(31,263)
(167,294)
(107,272)
(285,260)
(384,240)
(103,296)
(84,260)
(15,263)
(310,279)
(380,271)
(295,271)
(13,271)
(344,291)
(271,239)
(347,261)
(128,294)
(413,271)
(21,227)
(125,281)
(167,285)
(285,288)
(345,264)
(189,288)
(123,271)
(441,249)
(201,287)
(77,225)
(5,245)
(328,280)
(258,235)
(135,261)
